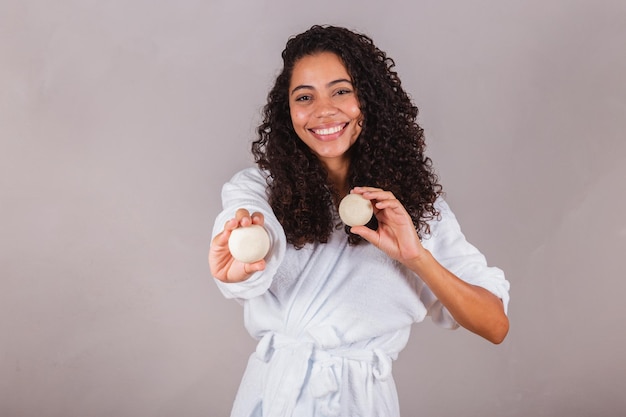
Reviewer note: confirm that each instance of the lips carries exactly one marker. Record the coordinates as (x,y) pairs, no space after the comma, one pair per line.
(329,132)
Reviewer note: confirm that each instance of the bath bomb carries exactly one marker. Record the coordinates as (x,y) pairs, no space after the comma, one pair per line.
(355,210)
(249,244)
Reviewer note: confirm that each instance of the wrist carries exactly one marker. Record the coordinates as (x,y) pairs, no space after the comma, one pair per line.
(421,262)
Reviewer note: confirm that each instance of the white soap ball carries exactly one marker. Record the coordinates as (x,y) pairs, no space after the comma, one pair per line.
(249,244)
(355,210)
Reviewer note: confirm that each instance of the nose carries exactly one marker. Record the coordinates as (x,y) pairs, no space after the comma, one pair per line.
(325,108)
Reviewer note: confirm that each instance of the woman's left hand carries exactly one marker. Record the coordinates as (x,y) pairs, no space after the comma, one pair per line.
(396,234)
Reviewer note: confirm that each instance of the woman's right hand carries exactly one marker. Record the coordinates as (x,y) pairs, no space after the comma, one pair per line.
(223,266)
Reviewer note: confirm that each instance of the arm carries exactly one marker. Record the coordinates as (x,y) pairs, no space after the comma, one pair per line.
(472,306)
(237,280)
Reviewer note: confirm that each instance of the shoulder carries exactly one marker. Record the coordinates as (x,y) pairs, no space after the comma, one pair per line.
(251,175)
(444,212)
(247,184)
(447,241)
(252,178)
(443,208)
(445,225)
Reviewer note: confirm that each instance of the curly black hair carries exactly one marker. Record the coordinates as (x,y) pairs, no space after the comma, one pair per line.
(388,154)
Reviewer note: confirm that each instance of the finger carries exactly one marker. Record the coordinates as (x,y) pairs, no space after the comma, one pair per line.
(243,217)
(258,218)
(251,268)
(388,204)
(257,266)
(231,224)
(361,190)
(374,194)
(366,233)
(378,194)
(222,237)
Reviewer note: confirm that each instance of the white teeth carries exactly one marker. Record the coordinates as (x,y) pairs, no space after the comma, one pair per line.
(328,131)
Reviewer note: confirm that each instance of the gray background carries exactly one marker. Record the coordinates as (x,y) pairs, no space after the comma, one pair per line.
(120,120)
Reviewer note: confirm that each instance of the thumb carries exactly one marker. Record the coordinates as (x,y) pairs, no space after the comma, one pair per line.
(366,233)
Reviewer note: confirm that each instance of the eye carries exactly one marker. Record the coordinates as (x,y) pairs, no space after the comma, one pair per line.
(303,98)
(343,91)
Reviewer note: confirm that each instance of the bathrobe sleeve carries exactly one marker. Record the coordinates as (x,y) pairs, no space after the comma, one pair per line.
(247,189)
(451,249)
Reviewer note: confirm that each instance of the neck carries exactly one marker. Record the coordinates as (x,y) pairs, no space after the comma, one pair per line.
(338,175)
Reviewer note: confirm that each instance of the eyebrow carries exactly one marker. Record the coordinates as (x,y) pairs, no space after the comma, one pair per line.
(330,84)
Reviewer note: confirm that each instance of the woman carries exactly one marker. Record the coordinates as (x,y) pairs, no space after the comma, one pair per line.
(332,309)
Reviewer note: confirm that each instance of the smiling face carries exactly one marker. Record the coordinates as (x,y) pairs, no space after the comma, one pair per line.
(324,107)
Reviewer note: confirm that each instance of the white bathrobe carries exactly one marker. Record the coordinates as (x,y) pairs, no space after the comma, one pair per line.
(330,318)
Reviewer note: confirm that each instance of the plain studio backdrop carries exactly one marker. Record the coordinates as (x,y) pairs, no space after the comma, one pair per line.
(121,120)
